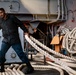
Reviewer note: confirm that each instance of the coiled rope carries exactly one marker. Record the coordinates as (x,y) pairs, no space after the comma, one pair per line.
(69,41)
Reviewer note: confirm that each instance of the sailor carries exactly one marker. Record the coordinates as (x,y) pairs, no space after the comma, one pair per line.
(9,25)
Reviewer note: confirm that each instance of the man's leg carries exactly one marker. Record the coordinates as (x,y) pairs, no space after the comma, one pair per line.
(4,48)
(18,49)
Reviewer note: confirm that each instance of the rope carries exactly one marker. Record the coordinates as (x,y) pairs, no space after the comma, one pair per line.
(50,50)
(62,64)
(69,41)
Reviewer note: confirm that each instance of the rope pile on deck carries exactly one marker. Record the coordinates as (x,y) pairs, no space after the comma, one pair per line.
(57,61)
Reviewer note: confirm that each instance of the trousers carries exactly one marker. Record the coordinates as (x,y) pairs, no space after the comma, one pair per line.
(17,48)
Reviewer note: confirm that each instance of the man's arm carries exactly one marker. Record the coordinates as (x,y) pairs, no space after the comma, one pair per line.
(20,24)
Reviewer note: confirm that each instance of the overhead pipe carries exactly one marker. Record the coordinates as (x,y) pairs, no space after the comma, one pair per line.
(58,14)
(48,8)
(62,12)
(65,9)
(62,4)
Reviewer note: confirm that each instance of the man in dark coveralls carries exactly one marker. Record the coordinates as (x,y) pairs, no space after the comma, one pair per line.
(9,25)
